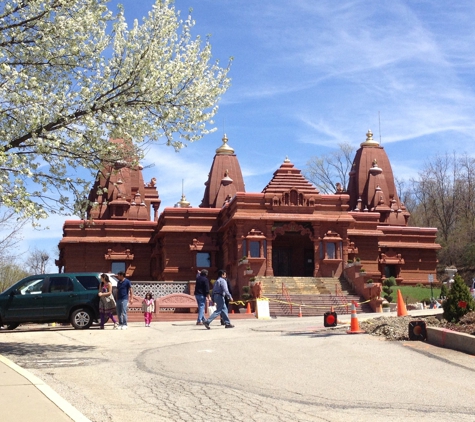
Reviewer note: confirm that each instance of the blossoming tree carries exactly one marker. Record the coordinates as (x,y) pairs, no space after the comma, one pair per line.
(72,74)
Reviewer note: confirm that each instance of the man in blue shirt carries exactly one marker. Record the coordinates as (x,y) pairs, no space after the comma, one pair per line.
(220,291)
(124,294)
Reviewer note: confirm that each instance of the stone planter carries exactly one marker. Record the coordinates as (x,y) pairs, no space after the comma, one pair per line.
(369,285)
(387,309)
(244,261)
(248,272)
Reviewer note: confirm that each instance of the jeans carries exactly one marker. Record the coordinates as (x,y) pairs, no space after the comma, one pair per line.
(221,309)
(122,310)
(201,300)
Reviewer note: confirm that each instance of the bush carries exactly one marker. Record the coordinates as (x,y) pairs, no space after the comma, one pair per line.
(459,292)
(387,284)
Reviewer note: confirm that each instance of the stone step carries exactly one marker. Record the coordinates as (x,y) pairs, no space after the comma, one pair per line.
(313,305)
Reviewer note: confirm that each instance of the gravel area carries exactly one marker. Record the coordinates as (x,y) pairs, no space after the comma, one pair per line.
(396,328)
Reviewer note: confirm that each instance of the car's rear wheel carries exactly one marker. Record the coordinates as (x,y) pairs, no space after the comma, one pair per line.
(12,326)
(81,319)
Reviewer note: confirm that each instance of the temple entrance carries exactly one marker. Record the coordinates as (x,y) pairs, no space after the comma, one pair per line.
(292,255)
(281,259)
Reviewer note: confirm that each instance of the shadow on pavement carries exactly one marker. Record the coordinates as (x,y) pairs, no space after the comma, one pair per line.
(38,349)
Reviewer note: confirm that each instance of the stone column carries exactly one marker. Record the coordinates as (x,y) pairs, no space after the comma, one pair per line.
(269,268)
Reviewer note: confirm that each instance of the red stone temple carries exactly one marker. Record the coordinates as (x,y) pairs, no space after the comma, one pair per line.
(288,229)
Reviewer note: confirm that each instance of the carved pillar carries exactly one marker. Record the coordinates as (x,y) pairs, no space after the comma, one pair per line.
(316,249)
(345,249)
(269,269)
(155,206)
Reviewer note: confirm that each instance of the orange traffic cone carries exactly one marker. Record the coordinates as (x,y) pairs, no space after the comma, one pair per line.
(401,306)
(355,326)
(248,309)
(300,312)
(232,311)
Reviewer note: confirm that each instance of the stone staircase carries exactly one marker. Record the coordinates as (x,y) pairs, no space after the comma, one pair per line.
(309,295)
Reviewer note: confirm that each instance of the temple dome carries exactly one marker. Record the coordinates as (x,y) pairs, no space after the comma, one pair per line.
(224,179)
(371,185)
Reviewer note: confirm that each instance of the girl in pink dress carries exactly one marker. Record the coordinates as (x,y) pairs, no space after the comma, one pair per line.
(148,307)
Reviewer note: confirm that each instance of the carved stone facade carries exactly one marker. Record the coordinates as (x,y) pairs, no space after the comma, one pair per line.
(288,229)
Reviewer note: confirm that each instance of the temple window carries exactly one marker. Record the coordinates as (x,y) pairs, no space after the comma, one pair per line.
(331,251)
(254,245)
(117,266)
(254,249)
(203,259)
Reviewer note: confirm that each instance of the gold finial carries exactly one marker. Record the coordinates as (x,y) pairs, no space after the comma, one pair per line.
(225,149)
(370,142)
(183,203)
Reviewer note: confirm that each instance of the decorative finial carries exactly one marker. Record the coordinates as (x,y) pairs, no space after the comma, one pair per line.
(183,203)
(286,159)
(370,142)
(225,149)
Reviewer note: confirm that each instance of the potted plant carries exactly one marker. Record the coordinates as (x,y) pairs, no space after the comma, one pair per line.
(357,261)
(243,260)
(369,283)
(350,263)
(245,296)
(386,306)
(252,280)
(248,270)
(362,271)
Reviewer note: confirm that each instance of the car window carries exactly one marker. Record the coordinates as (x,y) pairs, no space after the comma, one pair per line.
(89,282)
(60,284)
(31,286)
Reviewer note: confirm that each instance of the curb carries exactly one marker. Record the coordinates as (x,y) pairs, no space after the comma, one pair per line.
(442,337)
(52,395)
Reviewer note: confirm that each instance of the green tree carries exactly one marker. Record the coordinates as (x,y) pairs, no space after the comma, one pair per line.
(72,74)
(459,292)
(10,273)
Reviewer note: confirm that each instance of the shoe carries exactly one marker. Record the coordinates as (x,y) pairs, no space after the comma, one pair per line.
(199,323)
(229,326)
(124,327)
(120,327)
(222,322)
(115,326)
(206,324)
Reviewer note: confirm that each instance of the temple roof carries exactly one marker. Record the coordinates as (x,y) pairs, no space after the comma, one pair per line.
(224,179)
(120,192)
(371,186)
(288,177)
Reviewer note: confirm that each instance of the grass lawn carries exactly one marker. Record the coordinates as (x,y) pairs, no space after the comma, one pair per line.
(412,294)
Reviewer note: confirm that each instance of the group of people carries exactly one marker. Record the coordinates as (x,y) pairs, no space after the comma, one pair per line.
(109,305)
(221,296)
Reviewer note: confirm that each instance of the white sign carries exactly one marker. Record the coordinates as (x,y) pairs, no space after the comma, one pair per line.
(431,278)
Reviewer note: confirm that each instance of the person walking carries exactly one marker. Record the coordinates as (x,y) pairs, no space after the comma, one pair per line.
(220,291)
(124,294)
(107,305)
(226,300)
(148,307)
(201,294)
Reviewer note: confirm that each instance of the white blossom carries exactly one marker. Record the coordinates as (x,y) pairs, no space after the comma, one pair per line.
(71,74)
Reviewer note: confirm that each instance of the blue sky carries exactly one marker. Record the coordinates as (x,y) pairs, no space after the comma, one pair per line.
(309,74)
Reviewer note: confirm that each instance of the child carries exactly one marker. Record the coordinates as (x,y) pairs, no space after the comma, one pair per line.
(148,306)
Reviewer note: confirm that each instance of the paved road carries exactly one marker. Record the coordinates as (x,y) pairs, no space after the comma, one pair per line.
(278,370)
